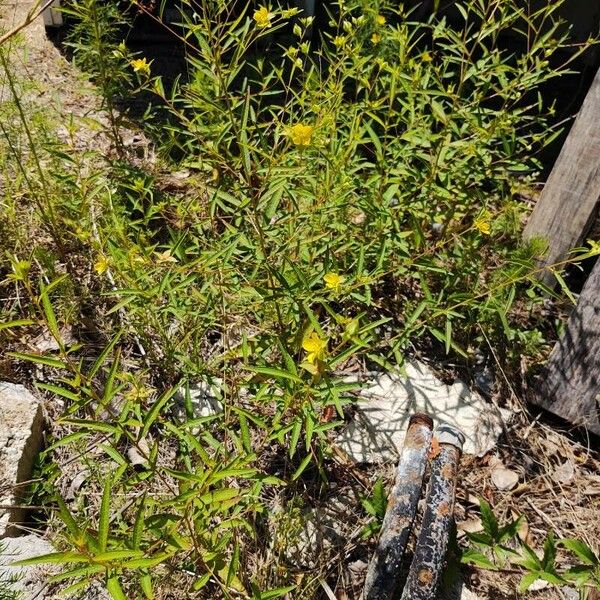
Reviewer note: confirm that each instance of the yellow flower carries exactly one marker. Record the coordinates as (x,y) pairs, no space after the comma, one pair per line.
(333,281)
(380,20)
(375,38)
(426,57)
(101,265)
(315,348)
(483,226)
(339,41)
(141,65)
(301,134)
(263,17)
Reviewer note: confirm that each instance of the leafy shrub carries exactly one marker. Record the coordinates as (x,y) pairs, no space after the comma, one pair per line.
(342,201)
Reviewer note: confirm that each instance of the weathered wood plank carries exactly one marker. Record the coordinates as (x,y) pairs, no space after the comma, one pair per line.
(569,200)
(570,383)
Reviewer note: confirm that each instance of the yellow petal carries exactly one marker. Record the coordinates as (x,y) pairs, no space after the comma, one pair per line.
(301,135)
(262,17)
(333,280)
(483,226)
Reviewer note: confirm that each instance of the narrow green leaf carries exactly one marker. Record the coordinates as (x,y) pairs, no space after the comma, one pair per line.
(59,391)
(16,323)
(275,373)
(104,516)
(147,563)
(302,466)
(103,355)
(91,425)
(201,582)
(146,585)
(295,436)
(472,557)
(276,592)
(565,288)
(155,411)
(50,316)
(76,587)
(138,526)
(60,558)
(245,433)
(67,518)
(38,359)
(114,588)
(117,555)
(527,581)
(448,335)
(109,390)
(78,572)
(488,519)
(234,564)
(581,550)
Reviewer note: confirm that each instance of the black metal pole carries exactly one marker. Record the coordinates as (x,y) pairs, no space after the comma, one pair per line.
(432,544)
(382,576)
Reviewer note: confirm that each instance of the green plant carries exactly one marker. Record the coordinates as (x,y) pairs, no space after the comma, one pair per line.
(318,208)
(375,505)
(493,539)
(500,548)
(94,41)
(586,575)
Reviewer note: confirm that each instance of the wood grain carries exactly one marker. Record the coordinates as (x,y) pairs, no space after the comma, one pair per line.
(568,203)
(570,383)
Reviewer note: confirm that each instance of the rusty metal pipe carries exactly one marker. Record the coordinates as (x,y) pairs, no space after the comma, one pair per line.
(382,575)
(430,552)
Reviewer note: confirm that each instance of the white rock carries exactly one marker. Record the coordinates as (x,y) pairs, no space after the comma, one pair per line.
(203,399)
(504,479)
(30,581)
(377,432)
(20,441)
(537,585)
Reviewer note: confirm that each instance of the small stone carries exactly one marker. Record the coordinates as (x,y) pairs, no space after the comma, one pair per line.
(20,441)
(504,479)
(358,567)
(457,591)
(569,593)
(467,594)
(472,525)
(565,473)
(138,454)
(537,585)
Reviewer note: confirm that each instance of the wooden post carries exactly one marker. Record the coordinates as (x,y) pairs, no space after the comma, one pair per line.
(570,384)
(567,205)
